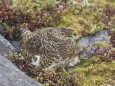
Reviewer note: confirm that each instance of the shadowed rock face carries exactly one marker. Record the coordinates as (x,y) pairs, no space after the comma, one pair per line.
(6,46)
(11,76)
(16,45)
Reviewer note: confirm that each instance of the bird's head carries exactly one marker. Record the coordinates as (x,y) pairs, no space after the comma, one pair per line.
(68,32)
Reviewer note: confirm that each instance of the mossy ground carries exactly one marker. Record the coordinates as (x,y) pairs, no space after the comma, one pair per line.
(93,72)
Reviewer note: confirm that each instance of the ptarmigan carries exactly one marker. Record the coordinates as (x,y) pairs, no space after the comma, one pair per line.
(51,47)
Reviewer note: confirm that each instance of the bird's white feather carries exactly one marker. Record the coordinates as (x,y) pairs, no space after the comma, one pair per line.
(37,62)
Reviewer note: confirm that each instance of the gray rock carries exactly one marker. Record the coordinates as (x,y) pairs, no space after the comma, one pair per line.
(11,76)
(98,37)
(16,44)
(85,42)
(6,46)
(88,51)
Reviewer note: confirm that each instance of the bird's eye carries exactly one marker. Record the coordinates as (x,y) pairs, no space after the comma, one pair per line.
(63,34)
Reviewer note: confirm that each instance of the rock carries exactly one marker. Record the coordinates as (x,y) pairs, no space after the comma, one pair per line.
(102,36)
(98,37)
(16,44)
(11,76)
(6,46)
(87,52)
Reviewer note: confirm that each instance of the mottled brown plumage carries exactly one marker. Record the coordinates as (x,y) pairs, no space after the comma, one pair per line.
(53,45)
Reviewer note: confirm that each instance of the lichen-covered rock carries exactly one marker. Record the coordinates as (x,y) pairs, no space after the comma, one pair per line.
(98,37)
(6,46)
(11,76)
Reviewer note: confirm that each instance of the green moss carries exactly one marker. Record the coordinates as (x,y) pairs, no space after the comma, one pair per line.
(83,21)
(93,72)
